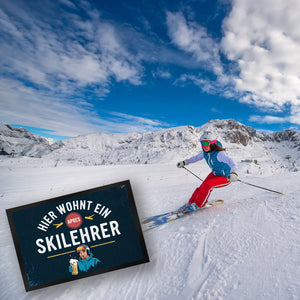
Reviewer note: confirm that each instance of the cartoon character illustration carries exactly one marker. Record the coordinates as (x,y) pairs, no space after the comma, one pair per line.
(86,260)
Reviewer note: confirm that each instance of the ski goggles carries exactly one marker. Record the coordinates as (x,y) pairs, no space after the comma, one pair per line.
(207,143)
(81,248)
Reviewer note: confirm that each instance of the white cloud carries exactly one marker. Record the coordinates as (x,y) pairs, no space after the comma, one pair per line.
(40,108)
(194,39)
(68,3)
(295,115)
(47,67)
(50,55)
(133,122)
(292,115)
(267,119)
(204,84)
(262,42)
(263,38)
(49,61)
(162,74)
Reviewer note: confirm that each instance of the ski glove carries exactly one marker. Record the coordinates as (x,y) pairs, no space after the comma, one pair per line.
(233,176)
(181,164)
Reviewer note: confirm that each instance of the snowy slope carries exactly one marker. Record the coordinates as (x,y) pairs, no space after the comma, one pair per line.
(248,248)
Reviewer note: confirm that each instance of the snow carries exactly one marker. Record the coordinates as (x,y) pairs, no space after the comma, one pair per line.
(247,248)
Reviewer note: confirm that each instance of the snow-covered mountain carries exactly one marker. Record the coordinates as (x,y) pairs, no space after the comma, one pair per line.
(164,146)
(19,141)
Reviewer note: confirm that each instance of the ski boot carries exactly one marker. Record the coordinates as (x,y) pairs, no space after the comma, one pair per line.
(187,208)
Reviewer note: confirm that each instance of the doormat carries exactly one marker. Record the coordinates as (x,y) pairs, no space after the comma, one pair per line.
(77,235)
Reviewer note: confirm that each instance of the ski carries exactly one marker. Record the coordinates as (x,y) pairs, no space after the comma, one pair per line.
(158,220)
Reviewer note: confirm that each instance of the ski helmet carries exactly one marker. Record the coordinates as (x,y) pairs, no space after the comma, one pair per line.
(83,247)
(207,136)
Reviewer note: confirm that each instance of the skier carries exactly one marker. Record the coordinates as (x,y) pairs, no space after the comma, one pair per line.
(224,171)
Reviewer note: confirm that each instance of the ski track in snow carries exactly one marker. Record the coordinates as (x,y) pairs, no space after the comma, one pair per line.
(247,248)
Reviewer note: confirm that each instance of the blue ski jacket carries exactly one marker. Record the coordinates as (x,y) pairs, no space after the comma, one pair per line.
(85,265)
(219,161)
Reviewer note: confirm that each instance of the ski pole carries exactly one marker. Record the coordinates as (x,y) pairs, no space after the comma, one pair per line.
(192,173)
(260,187)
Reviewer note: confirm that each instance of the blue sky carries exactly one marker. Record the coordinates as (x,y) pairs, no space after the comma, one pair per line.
(76,67)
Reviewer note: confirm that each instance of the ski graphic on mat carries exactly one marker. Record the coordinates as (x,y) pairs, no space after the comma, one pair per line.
(158,220)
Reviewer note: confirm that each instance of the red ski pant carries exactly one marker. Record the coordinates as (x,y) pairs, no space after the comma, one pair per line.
(202,193)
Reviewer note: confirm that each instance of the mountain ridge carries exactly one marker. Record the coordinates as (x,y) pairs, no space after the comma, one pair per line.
(166,145)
